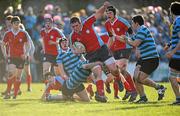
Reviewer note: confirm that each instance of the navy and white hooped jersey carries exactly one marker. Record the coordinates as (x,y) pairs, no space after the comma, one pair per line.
(147,47)
(175,38)
(69,60)
(78,76)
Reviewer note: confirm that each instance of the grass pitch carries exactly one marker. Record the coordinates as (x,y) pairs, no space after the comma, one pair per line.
(29,104)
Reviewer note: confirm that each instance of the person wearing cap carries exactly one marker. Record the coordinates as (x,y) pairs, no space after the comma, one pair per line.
(117,26)
(50,36)
(15,46)
(174,54)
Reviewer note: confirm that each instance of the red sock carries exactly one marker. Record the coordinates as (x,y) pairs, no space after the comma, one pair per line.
(116,88)
(100,87)
(28,81)
(45,82)
(9,84)
(127,86)
(16,86)
(131,82)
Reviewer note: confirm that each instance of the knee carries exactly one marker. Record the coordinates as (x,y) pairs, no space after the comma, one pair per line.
(172,79)
(11,74)
(97,71)
(18,78)
(57,72)
(45,71)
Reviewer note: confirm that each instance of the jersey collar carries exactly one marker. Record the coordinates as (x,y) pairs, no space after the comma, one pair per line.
(115,19)
(15,33)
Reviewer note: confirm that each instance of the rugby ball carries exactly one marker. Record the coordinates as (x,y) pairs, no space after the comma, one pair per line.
(78,45)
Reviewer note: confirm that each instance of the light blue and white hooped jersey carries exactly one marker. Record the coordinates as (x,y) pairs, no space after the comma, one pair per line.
(175,38)
(147,47)
(78,76)
(69,60)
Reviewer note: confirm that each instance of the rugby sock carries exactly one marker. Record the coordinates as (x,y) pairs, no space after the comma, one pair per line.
(9,84)
(116,89)
(127,86)
(45,82)
(28,81)
(125,83)
(119,82)
(100,87)
(16,86)
(130,81)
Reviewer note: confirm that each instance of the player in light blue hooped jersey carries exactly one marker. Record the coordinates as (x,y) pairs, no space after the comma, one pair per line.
(75,82)
(66,59)
(174,53)
(148,61)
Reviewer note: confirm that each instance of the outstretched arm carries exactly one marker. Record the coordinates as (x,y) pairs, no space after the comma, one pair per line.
(129,41)
(62,72)
(91,65)
(100,12)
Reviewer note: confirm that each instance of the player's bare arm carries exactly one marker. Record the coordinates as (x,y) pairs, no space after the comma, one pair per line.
(91,65)
(100,12)
(129,41)
(62,73)
(170,53)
